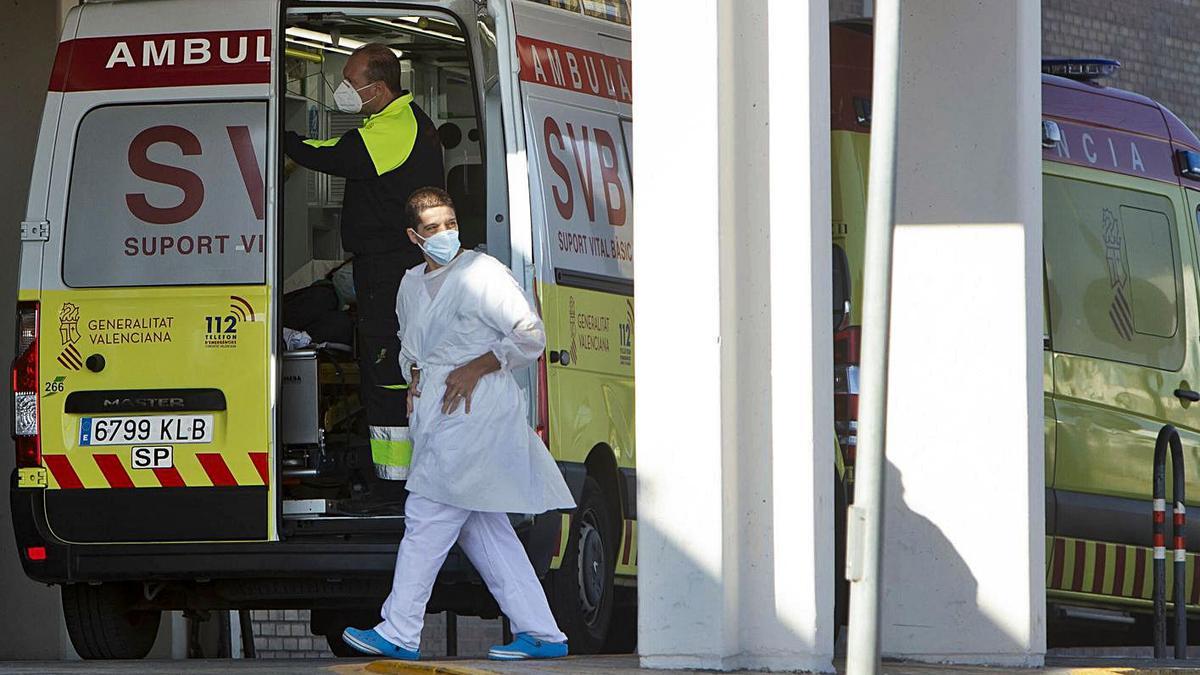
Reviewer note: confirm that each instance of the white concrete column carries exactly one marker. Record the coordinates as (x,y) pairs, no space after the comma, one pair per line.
(735,434)
(964,559)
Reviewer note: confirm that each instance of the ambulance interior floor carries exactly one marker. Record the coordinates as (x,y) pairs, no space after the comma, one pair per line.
(583,665)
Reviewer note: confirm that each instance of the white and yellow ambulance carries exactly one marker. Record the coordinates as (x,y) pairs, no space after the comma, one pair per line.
(174,450)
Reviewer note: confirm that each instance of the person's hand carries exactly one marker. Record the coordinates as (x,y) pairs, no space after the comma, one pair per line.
(414,388)
(460,385)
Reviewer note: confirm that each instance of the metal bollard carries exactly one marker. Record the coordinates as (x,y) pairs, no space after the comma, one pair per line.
(1169,435)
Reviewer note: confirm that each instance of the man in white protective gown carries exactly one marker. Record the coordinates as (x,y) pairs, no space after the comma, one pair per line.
(465,326)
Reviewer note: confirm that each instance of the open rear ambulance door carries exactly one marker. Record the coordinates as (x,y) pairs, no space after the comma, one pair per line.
(156,317)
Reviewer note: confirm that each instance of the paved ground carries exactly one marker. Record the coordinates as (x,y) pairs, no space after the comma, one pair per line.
(614,665)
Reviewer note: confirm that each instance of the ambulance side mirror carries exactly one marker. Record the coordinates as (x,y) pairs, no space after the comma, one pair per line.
(841,288)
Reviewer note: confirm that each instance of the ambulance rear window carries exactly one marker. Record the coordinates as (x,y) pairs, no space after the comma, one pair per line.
(168,194)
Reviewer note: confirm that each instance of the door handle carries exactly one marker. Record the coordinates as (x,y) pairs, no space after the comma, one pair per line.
(1187,395)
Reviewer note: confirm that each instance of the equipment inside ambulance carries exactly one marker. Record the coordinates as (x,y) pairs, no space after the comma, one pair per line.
(188,424)
(1121,220)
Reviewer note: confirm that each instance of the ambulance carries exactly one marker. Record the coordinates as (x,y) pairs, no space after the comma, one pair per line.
(174,450)
(1121,219)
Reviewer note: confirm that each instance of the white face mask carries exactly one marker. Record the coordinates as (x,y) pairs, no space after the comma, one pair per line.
(441,247)
(347,99)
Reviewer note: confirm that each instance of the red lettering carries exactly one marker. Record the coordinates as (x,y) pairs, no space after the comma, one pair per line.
(131,247)
(550,131)
(142,166)
(243,149)
(222,238)
(584,166)
(191,245)
(614,191)
(204,245)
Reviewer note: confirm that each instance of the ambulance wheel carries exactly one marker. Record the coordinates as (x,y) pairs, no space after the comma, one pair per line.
(581,591)
(103,624)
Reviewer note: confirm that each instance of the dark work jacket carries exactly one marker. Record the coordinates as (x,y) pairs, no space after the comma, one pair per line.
(396,152)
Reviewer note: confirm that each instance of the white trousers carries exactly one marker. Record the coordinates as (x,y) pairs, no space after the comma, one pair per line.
(491,545)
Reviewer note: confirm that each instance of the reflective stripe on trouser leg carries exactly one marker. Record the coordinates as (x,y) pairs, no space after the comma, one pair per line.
(381,386)
(492,546)
(391,451)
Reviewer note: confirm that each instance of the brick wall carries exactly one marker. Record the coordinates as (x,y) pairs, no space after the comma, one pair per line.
(284,634)
(1155,41)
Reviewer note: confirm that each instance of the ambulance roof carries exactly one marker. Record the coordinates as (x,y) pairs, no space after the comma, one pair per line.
(1113,108)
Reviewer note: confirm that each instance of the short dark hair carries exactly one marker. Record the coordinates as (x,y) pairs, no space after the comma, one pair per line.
(382,65)
(425,198)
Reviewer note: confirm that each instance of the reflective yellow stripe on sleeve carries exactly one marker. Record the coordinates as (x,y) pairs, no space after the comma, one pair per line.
(319,143)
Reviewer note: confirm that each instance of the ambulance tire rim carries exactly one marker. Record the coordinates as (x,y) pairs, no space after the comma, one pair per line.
(592,564)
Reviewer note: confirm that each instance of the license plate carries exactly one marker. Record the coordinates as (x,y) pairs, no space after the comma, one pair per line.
(145,429)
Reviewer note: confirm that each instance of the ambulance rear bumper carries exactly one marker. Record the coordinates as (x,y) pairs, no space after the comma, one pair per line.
(48,559)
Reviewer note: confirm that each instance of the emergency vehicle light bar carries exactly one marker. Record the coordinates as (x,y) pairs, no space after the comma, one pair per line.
(1084,70)
(1189,163)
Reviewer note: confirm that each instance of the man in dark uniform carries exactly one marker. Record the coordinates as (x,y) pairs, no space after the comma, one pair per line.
(395,152)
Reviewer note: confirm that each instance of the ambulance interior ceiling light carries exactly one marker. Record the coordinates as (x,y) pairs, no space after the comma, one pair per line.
(1085,70)
(315,45)
(326,41)
(411,24)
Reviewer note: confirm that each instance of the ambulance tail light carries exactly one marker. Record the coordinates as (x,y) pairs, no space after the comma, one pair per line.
(543,403)
(26,425)
(845,388)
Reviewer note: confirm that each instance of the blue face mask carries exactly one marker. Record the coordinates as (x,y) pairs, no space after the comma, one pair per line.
(441,247)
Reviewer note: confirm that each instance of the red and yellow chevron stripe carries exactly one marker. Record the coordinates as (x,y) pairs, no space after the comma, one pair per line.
(201,469)
(1113,570)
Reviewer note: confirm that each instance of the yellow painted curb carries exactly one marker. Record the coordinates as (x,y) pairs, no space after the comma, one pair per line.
(417,668)
(1125,670)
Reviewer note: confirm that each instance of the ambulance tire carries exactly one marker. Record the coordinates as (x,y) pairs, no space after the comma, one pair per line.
(581,590)
(102,623)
